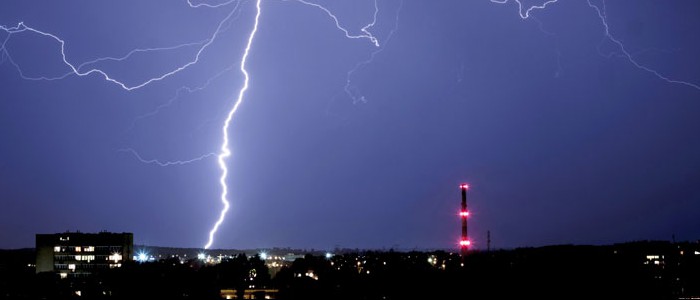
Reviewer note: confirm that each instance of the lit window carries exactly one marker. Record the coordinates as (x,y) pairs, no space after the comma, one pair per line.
(78,257)
(89,249)
(57,249)
(116,257)
(64,275)
(77,249)
(71,267)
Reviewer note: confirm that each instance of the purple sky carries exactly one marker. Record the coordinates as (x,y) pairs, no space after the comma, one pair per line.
(577,123)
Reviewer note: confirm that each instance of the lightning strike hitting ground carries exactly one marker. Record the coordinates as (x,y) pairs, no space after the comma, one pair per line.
(87,68)
(225,150)
(601,13)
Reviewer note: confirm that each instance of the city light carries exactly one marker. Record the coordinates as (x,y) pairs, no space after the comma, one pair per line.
(142,257)
(116,257)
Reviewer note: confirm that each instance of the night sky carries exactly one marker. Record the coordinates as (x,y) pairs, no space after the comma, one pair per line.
(578,123)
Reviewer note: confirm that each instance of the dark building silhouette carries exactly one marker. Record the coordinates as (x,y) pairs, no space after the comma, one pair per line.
(76,254)
(657,270)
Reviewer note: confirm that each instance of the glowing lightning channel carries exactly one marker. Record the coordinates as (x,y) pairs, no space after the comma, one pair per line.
(203,4)
(101,59)
(21,27)
(357,96)
(365,30)
(225,150)
(628,56)
(178,92)
(524,14)
(188,89)
(601,13)
(165,163)
(132,52)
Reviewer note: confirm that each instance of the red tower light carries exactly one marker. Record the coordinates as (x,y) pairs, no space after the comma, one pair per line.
(463,214)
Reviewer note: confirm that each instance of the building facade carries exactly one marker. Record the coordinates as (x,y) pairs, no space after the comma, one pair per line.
(76,254)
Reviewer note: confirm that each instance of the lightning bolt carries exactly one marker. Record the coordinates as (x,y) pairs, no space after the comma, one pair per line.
(178,92)
(602,15)
(353,92)
(225,151)
(101,59)
(365,35)
(626,54)
(348,83)
(21,27)
(132,52)
(87,68)
(203,4)
(165,163)
(524,14)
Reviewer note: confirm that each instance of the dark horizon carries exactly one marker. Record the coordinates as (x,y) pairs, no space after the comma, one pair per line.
(645,270)
(455,249)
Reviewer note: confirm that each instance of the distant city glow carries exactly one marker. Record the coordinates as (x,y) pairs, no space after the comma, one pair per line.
(263,255)
(329,255)
(201,256)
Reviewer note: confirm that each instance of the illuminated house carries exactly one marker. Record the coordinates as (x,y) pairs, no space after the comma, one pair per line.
(76,254)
